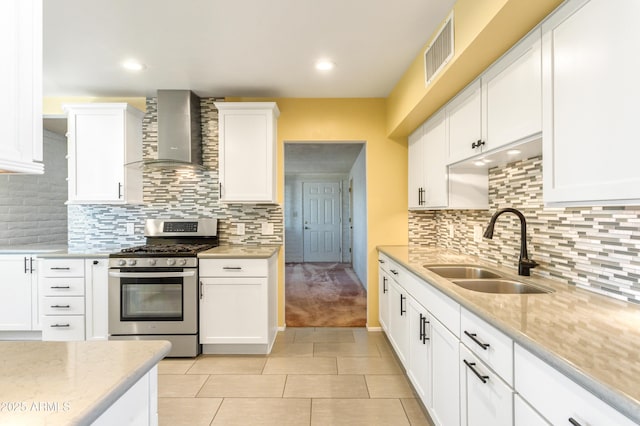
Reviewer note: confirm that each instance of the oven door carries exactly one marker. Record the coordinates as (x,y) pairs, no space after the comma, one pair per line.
(153,301)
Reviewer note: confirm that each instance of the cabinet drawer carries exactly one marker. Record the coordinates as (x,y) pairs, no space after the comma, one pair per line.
(556,397)
(234,268)
(441,306)
(63,305)
(63,327)
(63,286)
(489,344)
(62,267)
(386,264)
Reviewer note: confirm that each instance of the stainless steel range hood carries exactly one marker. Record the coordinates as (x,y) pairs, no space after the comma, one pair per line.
(179,131)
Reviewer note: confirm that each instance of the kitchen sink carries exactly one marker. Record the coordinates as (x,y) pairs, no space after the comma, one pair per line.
(461,271)
(500,286)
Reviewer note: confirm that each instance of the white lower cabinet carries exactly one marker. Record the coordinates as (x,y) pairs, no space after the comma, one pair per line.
(485,399)
(525,415)
(74,298)
(399,321)
(446,375)
(383,299)
(238,305)
(557,398)
(96,276)
(19,293)
(420,359)
(63,302)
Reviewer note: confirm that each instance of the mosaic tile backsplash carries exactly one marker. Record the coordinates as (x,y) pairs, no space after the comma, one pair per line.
(173,193)
(596,248)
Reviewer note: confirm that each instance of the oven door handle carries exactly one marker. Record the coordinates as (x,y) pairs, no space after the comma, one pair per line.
(151,274)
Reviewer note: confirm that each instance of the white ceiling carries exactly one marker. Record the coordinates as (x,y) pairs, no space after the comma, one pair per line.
(254,48)
(310,158)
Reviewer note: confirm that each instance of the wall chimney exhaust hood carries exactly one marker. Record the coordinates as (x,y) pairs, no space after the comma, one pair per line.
(179,130)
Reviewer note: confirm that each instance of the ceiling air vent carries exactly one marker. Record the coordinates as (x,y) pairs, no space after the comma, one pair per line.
(439,52)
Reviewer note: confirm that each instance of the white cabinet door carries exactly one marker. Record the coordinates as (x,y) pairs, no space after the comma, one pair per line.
(446,376)
(96,297)
(435,162)
(21,86)
(399,321)
(525,415)
(420,359)
(383,299)
(416,168)
(16,292)
(247,151)
(233,310)
(104,139)
(591,108)
(512,95)
(534,378)
(464,118)
(484,398)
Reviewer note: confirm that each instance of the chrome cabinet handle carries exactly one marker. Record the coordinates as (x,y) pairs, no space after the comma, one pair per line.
(201,290)
(574,422)
(60,325)
(380,261)
(480,376)
(473,337)
(384,285)
(232,268)
(393,271)
(61,306)
(59,268)
(60,286)
(402,309)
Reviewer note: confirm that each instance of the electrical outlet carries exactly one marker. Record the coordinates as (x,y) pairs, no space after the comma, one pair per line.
(452,231)
(267,228)
(240,229)
(131,229)
(477,233)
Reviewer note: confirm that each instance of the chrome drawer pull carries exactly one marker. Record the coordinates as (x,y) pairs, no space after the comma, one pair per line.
(472,336)
(60,286)
(61,306)
(480,376)
(60,326)
(574,422)
(57,268)
(232,268)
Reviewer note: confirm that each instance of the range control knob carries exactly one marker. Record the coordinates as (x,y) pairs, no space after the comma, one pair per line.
(122,262)
(182,262)
(152,262)
(171,262)
(132,262)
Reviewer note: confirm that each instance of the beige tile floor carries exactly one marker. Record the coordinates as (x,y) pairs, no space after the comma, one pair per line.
(313,376)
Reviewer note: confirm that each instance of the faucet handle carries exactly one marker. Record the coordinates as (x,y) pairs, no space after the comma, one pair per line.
(525,265)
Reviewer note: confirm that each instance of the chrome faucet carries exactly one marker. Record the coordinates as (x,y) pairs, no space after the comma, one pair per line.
(524,263)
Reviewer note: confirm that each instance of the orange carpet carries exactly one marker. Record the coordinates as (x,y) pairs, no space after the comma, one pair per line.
(324,295)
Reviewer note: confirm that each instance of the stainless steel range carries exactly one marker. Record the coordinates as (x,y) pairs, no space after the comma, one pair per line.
(153,289)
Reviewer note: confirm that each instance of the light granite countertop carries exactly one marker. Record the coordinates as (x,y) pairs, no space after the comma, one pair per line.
(240,252)
(33,248)
(65,254)
(593,339)
(69,383)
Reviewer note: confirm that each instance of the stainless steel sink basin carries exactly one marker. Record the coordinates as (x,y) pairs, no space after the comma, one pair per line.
(461,271)
(500,286)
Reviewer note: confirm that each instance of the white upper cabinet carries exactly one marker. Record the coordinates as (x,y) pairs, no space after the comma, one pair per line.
(247,151)
(464,119)
(21,86)
(428,165)
(512,95)
(416,169)
(591,109)
(105,153)
(501,107)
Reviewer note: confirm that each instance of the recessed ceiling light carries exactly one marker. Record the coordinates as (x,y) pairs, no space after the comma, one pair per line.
(513,152)
(324,65)
(133,65)
(479,163)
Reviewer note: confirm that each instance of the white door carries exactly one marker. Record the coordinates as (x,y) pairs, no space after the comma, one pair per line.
(321,212)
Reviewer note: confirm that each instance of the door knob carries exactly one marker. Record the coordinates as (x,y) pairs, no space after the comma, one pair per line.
(306,227)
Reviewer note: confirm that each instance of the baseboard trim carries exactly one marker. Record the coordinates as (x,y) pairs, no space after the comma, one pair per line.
(282,328)
(374,328)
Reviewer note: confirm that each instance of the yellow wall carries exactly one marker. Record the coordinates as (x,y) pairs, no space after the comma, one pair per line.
(483,30)
(340,120)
